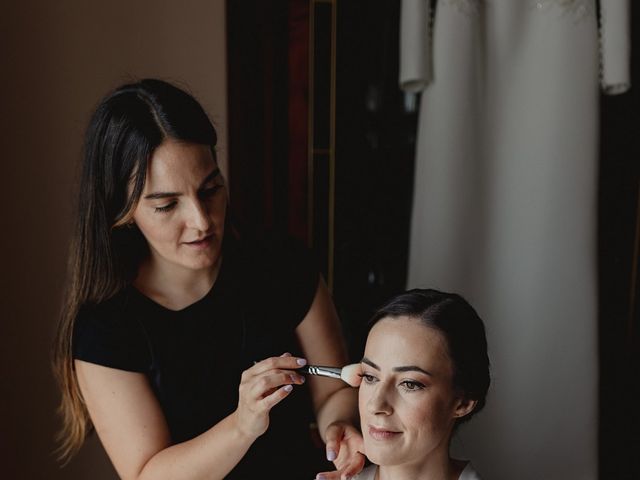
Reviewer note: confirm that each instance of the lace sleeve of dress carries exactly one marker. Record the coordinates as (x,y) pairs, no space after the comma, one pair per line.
(615,46)
(415,45)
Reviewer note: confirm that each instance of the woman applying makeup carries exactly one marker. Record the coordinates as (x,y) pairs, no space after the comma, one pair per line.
(179,339)
(425,370)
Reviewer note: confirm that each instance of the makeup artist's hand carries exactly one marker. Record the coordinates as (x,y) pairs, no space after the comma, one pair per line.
(344,447)
(261,388)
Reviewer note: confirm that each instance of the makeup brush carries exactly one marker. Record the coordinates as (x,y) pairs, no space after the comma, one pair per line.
(349,374)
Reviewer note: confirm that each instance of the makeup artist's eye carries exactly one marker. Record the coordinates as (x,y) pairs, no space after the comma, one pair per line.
(165,208)
(210,191)
(368,378)
(411,385)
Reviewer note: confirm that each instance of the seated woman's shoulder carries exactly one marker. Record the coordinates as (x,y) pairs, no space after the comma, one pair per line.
(467,472)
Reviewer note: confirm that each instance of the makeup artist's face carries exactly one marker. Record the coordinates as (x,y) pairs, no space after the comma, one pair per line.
(182,208)
(407,401)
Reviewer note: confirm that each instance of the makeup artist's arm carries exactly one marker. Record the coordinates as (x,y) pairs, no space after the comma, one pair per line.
(134,432)
(320,336)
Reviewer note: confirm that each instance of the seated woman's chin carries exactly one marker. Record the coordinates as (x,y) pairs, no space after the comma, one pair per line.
(383,456)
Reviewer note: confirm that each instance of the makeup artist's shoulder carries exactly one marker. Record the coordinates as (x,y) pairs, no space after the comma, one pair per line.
(368,473)
(108,311)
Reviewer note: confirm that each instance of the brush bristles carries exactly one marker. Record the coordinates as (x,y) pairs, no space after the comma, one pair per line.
(351,374)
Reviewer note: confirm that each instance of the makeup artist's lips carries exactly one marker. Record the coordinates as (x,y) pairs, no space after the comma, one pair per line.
(204,242)
(382,433)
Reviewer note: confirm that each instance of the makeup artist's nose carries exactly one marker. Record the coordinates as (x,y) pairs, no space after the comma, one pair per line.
(198,216)
(379,402)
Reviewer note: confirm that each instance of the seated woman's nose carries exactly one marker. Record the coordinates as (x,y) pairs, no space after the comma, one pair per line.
(379,403)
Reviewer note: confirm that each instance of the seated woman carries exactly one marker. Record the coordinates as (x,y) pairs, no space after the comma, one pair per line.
(425,370)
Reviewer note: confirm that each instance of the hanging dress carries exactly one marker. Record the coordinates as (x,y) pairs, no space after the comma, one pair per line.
(504,208)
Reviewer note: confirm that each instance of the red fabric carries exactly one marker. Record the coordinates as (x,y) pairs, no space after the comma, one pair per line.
(298,118)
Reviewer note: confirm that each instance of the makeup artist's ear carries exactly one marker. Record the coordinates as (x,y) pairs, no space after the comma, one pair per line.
(464,407)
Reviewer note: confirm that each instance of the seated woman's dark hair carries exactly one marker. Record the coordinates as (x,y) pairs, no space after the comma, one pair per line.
(463,330)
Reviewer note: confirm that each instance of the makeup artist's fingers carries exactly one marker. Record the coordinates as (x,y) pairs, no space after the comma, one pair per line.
(276,397)
(263,385)
(283,362)
(333,435)
(257,395)
(345,473)
(344,445)
(335,475)
(354,465)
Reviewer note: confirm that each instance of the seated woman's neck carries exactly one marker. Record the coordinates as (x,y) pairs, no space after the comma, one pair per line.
(431,469)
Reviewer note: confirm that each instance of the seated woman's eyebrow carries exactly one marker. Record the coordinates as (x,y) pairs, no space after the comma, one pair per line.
(411,368)
(370,363)
(404,368)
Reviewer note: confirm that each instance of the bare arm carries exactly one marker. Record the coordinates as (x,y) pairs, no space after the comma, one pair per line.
(134,432)
(335,402)
(320,336)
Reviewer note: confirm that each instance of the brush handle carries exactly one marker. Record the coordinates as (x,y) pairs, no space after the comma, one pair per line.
(331,372)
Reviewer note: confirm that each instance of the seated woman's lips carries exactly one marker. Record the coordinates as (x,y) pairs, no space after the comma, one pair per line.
(382,433)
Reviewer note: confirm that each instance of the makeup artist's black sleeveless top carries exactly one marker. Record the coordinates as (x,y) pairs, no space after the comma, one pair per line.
(194,357)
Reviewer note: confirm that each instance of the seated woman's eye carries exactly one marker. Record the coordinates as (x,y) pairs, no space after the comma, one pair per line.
(410,385)
(367,378)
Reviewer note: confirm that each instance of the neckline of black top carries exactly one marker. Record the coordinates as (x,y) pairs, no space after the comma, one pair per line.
(220,279)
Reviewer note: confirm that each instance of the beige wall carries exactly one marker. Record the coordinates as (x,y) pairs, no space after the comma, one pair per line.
(58,58)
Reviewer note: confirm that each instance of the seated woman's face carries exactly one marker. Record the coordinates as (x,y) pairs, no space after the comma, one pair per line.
(408,405)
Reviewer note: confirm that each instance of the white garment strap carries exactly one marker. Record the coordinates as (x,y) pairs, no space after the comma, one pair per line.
(615,45)
(415,45)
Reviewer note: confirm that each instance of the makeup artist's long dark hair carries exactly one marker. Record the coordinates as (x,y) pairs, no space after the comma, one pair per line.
(106,250)
(463,330)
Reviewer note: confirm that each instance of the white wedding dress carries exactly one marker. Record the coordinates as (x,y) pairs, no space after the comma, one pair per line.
(369,473)
(505,208)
